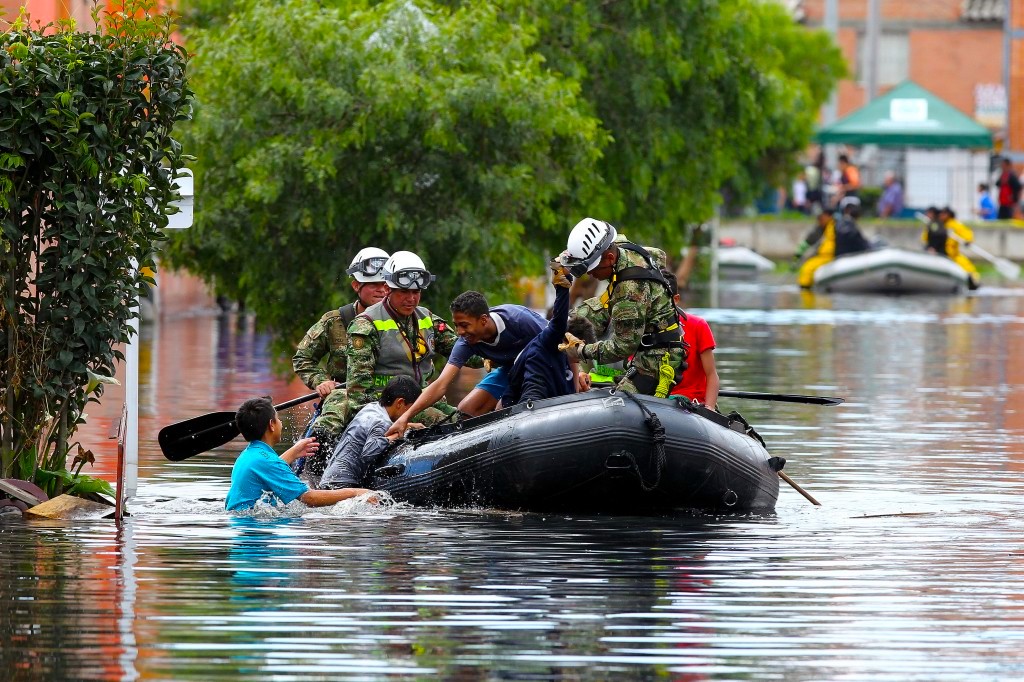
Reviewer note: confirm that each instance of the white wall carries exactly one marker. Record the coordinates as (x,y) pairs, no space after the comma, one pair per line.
(945,177)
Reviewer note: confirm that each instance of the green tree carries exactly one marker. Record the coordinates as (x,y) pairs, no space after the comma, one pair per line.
(695,93)
(323,130)
(86,168)
(477,132)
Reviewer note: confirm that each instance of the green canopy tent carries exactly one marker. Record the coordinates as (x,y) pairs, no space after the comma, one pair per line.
(907,116)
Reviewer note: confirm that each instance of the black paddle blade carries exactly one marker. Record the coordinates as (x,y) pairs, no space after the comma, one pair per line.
(784,397)
(193,436)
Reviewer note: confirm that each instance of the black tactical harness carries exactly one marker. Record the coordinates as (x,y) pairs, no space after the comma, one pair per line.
(670,338)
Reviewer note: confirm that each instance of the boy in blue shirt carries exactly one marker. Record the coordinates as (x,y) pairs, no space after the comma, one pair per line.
(259,470)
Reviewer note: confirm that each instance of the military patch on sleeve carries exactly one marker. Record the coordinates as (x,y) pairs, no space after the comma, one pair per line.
(358,342)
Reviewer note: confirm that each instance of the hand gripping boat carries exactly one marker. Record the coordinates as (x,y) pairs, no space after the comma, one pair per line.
(603,451)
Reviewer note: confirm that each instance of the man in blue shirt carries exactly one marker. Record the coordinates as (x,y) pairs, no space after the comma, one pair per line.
(542,370)
(259,471)
(497,334)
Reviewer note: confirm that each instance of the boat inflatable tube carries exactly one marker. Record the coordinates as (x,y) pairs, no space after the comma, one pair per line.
(595,451)
(891,271)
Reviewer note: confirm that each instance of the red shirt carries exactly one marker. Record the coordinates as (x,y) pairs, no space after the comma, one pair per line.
(697,333)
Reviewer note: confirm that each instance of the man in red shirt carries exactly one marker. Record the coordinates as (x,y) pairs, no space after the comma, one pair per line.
(1009,191)
(700,378)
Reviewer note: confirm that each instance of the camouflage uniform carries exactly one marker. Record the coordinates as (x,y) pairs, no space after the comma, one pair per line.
(365,378)
(630,310)
(321,356)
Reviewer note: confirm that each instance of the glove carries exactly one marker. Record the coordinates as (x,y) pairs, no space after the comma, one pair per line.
(559,277)
(572,347)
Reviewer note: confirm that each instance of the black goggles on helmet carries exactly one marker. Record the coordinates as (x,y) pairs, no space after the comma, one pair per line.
(577,267)
(409,279)
(368,266)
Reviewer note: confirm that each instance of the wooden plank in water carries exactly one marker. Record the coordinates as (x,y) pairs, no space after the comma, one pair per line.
(70,508)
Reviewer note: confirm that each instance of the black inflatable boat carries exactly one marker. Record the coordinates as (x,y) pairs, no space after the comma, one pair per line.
(604,450)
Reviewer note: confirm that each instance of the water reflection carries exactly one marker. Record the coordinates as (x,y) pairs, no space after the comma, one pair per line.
(912,569)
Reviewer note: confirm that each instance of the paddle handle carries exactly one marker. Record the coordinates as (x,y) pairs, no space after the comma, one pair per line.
(298,401)
(283,406)
(785,477)
(783,397)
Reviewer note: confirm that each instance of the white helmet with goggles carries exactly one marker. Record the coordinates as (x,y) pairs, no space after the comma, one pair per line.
(587,242)
(405,270)
(366,267)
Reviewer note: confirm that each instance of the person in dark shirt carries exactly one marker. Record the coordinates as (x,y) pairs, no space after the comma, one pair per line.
(1009,191)
(541,370)
(849,238)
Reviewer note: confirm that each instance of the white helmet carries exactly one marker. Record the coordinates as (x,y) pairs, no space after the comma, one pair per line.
(587,241)
(367,265)
(405,270)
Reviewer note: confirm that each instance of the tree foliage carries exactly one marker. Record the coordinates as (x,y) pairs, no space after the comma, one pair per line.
(86,168)
(477,132)
(696,94)
(323,130)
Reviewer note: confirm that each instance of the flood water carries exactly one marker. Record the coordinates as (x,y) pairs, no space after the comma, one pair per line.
(912,568)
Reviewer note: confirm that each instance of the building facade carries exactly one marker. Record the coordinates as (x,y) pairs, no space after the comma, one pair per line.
(954,48)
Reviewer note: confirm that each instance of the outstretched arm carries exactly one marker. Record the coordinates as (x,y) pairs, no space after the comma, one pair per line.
(431,394)
(302,448)
(324,498)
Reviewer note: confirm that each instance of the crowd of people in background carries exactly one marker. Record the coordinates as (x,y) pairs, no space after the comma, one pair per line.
(816,187)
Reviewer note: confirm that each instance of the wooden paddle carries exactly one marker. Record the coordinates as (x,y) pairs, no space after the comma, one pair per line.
(784,397)
(191,437)
(785,477)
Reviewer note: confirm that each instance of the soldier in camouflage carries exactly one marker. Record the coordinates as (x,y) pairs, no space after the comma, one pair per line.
(637,309)
(397,336)
(320,360)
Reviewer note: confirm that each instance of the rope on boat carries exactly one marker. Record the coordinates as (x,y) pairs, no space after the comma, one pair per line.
(658,436)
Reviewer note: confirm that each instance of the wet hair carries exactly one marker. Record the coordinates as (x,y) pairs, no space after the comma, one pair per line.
(581,328)
(401,386)
(470,303)
(254,416)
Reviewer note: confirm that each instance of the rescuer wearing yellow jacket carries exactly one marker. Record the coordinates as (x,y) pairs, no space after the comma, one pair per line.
(834,237)
(943,236)
(824,235)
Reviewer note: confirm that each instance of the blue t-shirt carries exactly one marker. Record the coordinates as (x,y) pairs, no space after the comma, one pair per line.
(257,470)
(986,207)
(521,326)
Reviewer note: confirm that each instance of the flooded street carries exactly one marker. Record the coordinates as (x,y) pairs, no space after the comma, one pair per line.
(912,568)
